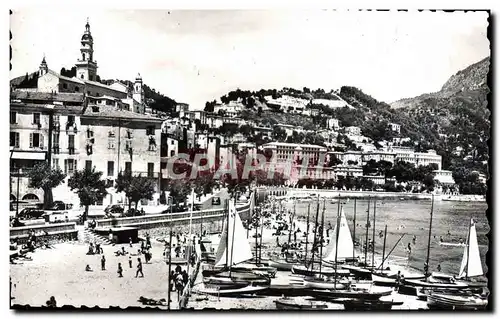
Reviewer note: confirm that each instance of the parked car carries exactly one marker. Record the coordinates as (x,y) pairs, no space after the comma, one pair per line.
(114,209)
(60,205)
(31,213)
(133,212)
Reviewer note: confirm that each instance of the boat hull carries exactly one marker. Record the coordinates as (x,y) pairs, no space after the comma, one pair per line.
(353,294)
(231,292)
(302,270)
(358,304)
(421,283)
(313,283)
(281,265)
(441,301)
(285,304)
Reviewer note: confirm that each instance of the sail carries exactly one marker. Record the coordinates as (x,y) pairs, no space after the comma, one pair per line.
(471,264)
(346,245)
(242,250)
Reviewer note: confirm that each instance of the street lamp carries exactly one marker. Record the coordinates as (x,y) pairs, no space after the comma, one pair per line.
(18,172)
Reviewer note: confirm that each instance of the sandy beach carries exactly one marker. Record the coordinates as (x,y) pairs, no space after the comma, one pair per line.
(60,272)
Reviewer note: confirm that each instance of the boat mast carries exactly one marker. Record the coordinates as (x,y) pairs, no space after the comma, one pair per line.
(307,233)
(366,236)
(354,233)
(291,223)
(232,237)
(261,235)
(429,240)
(468,251)
(337,243)
(226,209)
(256,225)
(373,233)
(322,236)
(383,250)
(315,232)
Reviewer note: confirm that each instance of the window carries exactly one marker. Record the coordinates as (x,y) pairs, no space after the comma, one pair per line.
(69,166)
(88,165)
(77,89)
(128,145)
(172,153)
(71,141)
(65,85)
(111,168)
(14,139)
(90,133)
(111,143)
(13,117)
(55,138)
(151,168)
(55,163)
(71,119)
(128,167)
(36,140)
(36,118)
(150,130)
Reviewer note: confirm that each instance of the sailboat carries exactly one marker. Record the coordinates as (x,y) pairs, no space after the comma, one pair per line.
(438,280)
(233,250)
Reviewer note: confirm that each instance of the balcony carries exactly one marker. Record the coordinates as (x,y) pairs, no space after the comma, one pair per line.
(71,150)
(56,149)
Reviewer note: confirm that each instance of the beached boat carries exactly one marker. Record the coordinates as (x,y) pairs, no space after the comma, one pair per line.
(390,279)
(329,272)
(282,264)
(228,281)
(360,293)
(470,267)
(233,250)
(345,244)
(269,272)
(361,304)
(322,283)
(298,304)
(217,291)
(451,302)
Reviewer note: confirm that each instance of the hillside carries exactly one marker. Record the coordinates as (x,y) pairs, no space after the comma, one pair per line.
(454,121)
(472,78)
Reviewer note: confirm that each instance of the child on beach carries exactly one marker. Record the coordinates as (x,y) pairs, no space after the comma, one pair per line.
(87,268)
(103,263)
(130,261)
(139,268)
(120,270)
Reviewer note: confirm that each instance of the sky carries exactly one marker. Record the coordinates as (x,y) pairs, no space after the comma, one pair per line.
(198,56)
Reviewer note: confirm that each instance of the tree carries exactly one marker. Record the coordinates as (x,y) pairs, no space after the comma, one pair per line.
(135,187)
(179,190)
(89,186)
(46,178)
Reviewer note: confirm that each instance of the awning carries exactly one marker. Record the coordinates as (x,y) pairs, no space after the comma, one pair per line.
(29,155)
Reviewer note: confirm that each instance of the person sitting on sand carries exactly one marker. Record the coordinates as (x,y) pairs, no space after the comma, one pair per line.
(51,303)
(441,238)
(87,268)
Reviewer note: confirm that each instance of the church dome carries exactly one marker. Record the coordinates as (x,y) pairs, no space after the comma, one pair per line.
(87,36)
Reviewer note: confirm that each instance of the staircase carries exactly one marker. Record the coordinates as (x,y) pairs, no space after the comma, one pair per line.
(89,236)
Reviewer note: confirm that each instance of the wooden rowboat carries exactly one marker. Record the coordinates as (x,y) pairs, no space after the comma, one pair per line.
(298,304)
(451,302)
(216,291)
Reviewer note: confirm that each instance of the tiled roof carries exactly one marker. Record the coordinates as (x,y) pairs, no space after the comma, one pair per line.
(73,79)
(61,97)
(112,112)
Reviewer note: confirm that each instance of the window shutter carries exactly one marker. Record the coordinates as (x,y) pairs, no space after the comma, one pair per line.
(41,141)
(65,166)
(17,142)
(74,166)
(31,140)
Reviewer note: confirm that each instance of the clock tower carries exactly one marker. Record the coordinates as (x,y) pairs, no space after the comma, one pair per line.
(86,67)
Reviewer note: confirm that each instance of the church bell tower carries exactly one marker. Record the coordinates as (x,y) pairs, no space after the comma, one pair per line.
(86,67)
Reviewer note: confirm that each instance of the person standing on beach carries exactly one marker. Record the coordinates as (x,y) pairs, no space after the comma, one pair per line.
(130,261)
(130,241)
(120,270)
(103,263)
(139,268)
